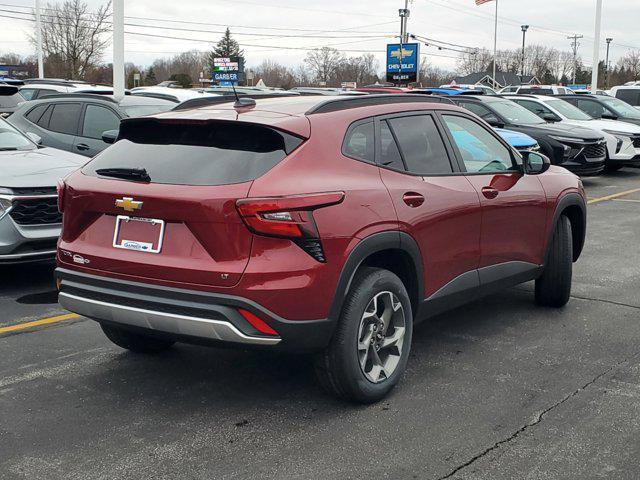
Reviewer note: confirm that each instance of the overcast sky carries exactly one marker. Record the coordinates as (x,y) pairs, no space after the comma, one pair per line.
(352,26)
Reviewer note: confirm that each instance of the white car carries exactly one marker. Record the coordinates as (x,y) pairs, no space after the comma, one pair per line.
(543,90)
(623,139)
(177,95)
(38,88)
(627,93)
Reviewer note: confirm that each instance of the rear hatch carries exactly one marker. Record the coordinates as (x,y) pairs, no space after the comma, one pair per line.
(161,202)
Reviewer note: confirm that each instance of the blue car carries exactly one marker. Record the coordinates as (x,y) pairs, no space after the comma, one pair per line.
(520,141)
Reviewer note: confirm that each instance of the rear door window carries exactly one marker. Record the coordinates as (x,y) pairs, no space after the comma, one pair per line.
(65,117)
(480,110)
(421,145)
(28,93)
(35,114)
(212,153)
(389,152)
(590,107)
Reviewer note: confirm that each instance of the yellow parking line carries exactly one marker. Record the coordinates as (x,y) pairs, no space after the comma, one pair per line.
(38,323)
(611,197)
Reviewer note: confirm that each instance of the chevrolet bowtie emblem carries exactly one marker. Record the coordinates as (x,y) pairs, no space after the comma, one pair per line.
(129,204)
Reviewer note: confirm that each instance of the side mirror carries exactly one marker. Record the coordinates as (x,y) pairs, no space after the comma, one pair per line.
(110,136)
(550,117)
(535,163)
(495,122)
(35,138)
(609,116)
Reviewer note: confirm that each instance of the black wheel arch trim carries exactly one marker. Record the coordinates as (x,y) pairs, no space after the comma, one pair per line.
(377,242)
(571,199)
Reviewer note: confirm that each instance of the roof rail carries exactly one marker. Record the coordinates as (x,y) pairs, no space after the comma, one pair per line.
(54,81)
(160,96)
(525,95)
(345,102)
(226,98)
(91,96)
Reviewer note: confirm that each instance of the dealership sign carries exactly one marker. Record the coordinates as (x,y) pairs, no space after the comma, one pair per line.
(227,70)
(403,62)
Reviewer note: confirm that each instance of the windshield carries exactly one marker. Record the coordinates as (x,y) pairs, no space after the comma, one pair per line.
(622,107)
(568,110)
(12,139)
(140,110)
(515,113)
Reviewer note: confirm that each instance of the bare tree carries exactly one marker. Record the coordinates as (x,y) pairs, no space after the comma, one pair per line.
(323,63)
(73,37)
(631,63)
(432,76)
(274,74)
(474,61)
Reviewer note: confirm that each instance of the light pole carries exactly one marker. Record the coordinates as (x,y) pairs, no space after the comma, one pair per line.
(118,49)
(39,41)
(596,48)
(524,33)
(606,65)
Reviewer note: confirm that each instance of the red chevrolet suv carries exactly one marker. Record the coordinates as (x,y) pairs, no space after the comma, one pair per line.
(311,225)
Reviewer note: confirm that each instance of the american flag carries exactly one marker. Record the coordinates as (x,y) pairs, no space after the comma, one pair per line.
(480,2)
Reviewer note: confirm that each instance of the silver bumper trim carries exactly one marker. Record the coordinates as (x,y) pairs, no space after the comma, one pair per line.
(160,321)
(28,256)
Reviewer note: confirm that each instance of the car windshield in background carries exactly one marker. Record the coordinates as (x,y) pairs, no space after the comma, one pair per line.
(11,139)
(141,110)
(622,107)
(515,113)
(206,154)
(568,110)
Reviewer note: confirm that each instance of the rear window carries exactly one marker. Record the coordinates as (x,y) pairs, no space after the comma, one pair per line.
(215,153)
(536,91)
(631,96)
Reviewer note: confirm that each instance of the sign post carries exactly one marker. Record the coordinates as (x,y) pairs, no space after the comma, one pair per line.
(403,63)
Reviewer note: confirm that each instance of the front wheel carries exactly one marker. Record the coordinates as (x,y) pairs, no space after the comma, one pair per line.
(369,351)
(553,288)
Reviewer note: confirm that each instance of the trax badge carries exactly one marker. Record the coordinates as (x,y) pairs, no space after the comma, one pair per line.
(129,204)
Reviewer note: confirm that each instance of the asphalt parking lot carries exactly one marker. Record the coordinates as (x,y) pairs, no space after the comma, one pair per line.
(499,389)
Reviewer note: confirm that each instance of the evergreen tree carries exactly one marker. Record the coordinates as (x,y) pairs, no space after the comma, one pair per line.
(226,47)
(150,78)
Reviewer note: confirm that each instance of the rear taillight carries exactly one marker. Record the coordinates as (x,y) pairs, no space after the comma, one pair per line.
(289,217)
(257,322)
(60,188)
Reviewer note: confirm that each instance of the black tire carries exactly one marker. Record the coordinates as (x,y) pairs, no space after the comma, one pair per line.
(553,288)
(338,368)
(134,341)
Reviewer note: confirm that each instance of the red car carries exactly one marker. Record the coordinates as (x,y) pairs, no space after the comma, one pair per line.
(312,225)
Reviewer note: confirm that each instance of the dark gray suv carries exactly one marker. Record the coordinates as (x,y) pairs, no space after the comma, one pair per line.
(76,122)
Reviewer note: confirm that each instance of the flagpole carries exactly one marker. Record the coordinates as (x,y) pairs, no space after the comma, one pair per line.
(495,45)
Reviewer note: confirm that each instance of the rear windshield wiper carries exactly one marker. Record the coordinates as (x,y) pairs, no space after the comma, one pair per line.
(139,174)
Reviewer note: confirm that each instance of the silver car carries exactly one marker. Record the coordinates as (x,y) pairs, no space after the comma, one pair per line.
(29,219)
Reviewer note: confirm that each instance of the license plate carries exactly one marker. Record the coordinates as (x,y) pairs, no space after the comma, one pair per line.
(139,234)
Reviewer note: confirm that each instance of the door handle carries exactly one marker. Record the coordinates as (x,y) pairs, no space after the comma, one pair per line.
(413,199)
(489,192)
(83,146)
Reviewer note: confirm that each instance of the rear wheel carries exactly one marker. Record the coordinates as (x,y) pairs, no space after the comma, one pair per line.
(369,351)
(553,288)
(134,341)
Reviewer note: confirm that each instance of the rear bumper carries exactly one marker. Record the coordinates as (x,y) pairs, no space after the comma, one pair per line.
(185,315)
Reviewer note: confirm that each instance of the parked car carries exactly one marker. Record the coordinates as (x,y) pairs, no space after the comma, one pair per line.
(629,94)
(607,108)
(9,99)
(509,89)
(544,90)
(415,207)
(578,149)
(482,88)
(623,139)
(29,218)
(173,94)
(38,88)
(76,122)
(518,140)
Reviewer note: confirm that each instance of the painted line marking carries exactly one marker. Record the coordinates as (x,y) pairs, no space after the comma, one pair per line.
(611,197)
(38,323)
(625,200)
